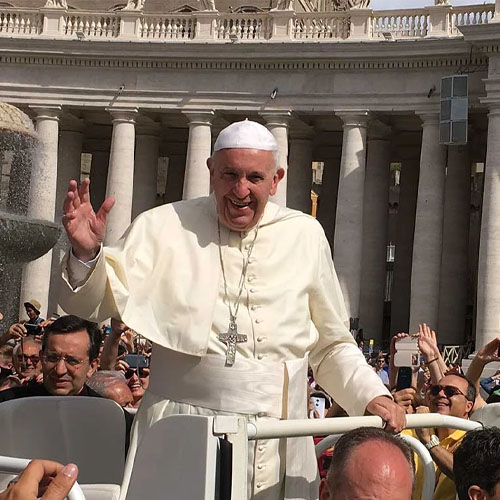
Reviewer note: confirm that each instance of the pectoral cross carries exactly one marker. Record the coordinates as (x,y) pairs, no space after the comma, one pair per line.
(231,338)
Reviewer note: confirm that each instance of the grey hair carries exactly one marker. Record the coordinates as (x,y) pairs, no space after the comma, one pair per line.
(100,381)
(29,339)
(275,159)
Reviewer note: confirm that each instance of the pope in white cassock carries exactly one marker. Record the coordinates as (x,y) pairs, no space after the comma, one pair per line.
(238,296)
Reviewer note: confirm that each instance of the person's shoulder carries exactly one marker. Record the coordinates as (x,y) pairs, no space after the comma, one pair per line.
(295,218)
(24,391)
(177,210)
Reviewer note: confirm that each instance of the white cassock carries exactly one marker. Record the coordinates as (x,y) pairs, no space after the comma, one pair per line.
(164,280)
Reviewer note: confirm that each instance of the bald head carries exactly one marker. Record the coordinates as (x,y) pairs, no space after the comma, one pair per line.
(371,464)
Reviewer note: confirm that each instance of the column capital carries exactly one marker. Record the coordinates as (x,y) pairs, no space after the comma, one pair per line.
(277,118)
(357,118)
(199,116)
(46,112)
(123,115)
(305,133)
(378,130)
(152,129)
(70,123)
(493,108)
(429,118)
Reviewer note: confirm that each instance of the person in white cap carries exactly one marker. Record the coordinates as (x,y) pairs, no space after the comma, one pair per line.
(233,291)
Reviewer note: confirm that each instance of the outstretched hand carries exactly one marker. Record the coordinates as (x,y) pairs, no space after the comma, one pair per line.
(391,412)
(85,228)
(427,342)
(489,352)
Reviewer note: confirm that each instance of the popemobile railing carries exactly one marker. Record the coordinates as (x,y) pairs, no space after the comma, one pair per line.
(332,428)
(11,465)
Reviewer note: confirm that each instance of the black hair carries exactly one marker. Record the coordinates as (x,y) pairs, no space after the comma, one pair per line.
(477,462)
(73,324)
(345,446)
(471,388)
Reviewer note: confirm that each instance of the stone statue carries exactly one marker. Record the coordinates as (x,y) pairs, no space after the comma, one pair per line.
(350,4)
(207,5)
(60,4)
(284,5)
(441,2)
(135,5)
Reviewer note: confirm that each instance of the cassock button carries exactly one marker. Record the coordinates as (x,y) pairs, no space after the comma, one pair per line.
(260,466)
(260,356)
(258,321)
(251,278)
(261,448)
(252,290)
(260,338)
(259,485)
(254,308)
(261,414)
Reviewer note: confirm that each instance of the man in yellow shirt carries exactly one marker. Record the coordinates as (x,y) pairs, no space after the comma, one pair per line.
(453,396)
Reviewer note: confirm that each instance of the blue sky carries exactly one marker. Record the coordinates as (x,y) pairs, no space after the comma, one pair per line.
(408,4)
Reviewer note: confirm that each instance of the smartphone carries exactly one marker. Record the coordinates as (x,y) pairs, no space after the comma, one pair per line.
(318,404)
(33,329)
(407,353)
(404,378)
(136,361)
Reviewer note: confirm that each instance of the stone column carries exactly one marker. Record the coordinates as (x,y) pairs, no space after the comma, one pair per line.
(401,290)
(348,241)
(175,178)
(375,214)
(99,174)
(146,169)
(277,123)
(199,149)
(454,268)
(427,243)
(298,194)
(488,280)
(121,172)
(42,202)
(327,205)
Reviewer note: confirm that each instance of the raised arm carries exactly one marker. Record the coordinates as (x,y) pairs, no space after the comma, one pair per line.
(85,228)
(427,344)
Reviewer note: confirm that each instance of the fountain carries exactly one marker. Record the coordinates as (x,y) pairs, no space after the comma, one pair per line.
(22,239)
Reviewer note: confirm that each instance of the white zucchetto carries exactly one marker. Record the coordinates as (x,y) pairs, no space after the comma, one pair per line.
(246,135)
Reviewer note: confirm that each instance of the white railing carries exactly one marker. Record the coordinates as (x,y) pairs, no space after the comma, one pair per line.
(321,26)
(225,27)
(20,22)
(92,25)
(176,27)
(411,23)
(243,26)
(470,15)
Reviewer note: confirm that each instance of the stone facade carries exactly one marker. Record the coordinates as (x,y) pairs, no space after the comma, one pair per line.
(355,90)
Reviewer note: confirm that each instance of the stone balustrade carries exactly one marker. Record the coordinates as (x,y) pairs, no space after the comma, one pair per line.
(357,24)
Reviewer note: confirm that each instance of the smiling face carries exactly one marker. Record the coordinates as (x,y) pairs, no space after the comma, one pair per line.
(455,406)
(242,181)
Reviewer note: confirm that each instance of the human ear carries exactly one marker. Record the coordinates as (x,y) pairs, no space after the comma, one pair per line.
(476,493)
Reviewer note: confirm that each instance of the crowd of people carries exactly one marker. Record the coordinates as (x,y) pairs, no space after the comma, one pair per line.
(69,356)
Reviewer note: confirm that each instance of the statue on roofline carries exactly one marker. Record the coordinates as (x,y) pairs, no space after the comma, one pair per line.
(350,4)
(441,2)
(207,4)
(134,5)
(60,4)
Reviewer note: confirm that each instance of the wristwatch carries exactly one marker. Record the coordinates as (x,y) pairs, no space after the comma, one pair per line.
(433,442)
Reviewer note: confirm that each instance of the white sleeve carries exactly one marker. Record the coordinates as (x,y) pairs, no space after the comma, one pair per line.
(79,271)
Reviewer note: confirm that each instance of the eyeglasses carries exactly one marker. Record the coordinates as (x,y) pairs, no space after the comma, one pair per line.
(449,391)
(24,358)
(141,372)
(53,359)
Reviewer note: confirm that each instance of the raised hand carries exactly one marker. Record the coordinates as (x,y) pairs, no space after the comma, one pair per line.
(427,342)
(489,352)
(85,228)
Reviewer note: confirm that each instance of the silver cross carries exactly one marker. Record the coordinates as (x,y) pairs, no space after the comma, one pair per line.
(231,338)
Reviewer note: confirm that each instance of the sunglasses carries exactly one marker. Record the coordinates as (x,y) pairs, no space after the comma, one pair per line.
(141,372)
(449,391)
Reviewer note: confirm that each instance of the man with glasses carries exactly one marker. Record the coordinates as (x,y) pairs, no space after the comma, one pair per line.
(69,356)
(26,359)
(454,395)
